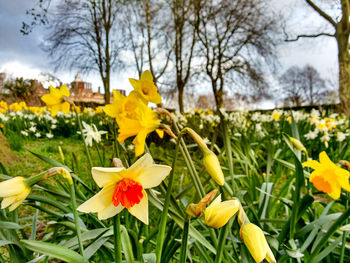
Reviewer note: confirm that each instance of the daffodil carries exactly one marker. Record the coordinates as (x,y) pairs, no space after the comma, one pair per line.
(218,213)
(254,238)
(125,188)
(212,165)
(55,100)
(13,192)
(327,177)
(145,122)
(196,209)
(123,107)
(146,88)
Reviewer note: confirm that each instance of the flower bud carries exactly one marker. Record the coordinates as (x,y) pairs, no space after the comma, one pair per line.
(254,238)
(218,213)
(13,192)
(196,209)
(297,144)
(212,164)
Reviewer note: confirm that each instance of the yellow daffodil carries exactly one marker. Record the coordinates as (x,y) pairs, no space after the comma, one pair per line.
(123,107)
(327,177)
(3,106)
(276,115)
(55,100)
(212,165)
(125,188)
(146,88)
(13,192)
(218,213)
(254,238)
(145,122)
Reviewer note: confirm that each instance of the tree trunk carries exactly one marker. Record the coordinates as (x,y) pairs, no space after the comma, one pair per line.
(344,73)
(107,95)
(219,100)
(180,97)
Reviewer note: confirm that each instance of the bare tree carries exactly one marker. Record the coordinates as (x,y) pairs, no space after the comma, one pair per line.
(237,39)
(84,36)
(148,31)
(302,86)
(185,21)
(338,20)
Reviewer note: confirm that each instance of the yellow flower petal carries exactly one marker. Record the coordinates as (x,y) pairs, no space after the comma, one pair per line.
(111,110)
(153,176)
(343,178)
(218,213)
(100,201)
(50,100)
(55,92)
(65,106)
(160,133)
(253,237)
(140,211)
(109,211)
(336,190)
(103,176)
(312,164)
(140,165)
(13,186)
(147,75)
(64,90)
(140,141)
(324,159)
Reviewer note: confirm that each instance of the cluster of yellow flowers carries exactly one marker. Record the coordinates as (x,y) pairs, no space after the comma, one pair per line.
(132,113)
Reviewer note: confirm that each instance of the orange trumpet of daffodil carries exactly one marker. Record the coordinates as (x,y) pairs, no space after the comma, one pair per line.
(327,177)
(55,100)
(125,188)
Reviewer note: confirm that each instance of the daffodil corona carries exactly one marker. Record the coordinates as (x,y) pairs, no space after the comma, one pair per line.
(125,188)
(327,177)
(254,238)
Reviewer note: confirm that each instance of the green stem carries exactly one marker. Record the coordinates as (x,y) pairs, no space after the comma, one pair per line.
(221,244)
(85,146)
(184,242)
(98,153)
(164,217)
(344,233)
(117,241)
(76,218)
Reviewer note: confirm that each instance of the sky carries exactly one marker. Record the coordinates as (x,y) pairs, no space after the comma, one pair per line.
(22,56)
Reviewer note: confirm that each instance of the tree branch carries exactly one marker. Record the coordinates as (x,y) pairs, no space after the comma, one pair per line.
(309,36)
(321,12)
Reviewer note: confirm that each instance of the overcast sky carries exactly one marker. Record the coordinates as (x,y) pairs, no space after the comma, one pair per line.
(22,55)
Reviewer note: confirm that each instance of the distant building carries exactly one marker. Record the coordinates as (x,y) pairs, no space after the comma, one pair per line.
(81,91)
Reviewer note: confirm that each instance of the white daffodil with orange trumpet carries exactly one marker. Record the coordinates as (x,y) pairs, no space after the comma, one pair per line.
(125,188)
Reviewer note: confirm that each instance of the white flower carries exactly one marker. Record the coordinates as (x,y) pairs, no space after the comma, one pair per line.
(53,126)
(37,134)
(311,134)
(49,135)
(24,133)
(131,147)
(341,136)
(91,133)
(32,129)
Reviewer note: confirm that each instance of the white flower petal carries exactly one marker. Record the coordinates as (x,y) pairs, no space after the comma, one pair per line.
(140,211)
(144,162)
(99,201)
(153,176)
(109,211)
(103,176)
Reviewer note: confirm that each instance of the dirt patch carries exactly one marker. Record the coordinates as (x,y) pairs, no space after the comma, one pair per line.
(7,157)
